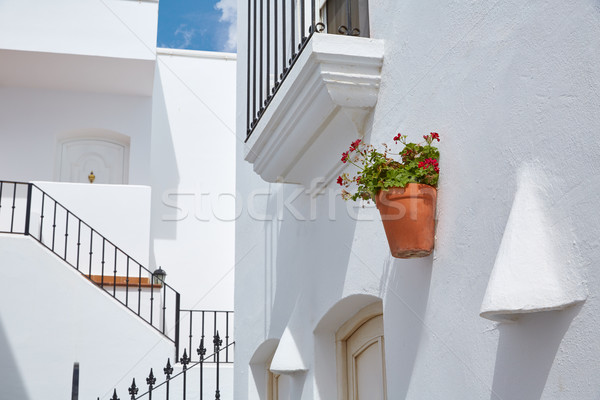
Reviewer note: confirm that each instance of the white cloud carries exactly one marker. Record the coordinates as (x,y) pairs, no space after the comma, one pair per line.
(186,34)
(228,10)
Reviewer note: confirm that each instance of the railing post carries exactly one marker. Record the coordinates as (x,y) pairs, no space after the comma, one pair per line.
(185,360)
(151,299)
(177,315)
(28,209)
(75,385)
(164,307)
(168,370)
(150,381)
(191,327)
(217,342)
(42,217)
(227,336)
(14,199)
(201,353)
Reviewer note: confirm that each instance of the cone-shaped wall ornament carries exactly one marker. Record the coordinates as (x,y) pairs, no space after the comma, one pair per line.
(530,272)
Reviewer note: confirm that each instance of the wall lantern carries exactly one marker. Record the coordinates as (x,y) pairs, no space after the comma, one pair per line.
(158,276)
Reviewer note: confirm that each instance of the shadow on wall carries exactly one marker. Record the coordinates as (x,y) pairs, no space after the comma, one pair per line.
(10,379)
(259,363)
(404,303)
(311,267)
(297,385)
(165,175)
(306,249)
(526,351)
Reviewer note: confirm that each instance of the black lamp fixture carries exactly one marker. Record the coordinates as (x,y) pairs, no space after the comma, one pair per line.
(158,276)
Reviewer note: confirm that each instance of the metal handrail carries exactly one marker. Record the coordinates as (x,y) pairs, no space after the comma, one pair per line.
(133,390)
(294,38)
(210,323)
(26,198)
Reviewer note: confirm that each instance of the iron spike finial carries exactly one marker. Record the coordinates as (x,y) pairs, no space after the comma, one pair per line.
(217,341)
(168,370)
(133,389)
(151,380)
(114,397)
(184,360)
(201,350)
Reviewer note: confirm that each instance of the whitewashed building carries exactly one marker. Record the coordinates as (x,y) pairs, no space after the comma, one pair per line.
(506,307)
(85,94)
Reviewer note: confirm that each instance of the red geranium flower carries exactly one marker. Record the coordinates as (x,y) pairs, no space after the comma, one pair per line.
(397,137)
(344,157)
(435,136)
(355,144)
(429,162)
(340,181)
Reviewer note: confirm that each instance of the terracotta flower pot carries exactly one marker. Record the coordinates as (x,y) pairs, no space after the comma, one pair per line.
(408,219)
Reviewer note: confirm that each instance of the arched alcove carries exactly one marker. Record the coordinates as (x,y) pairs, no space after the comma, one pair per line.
(101,152)
(331,335)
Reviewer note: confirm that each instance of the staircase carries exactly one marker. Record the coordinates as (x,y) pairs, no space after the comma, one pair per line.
(27,210)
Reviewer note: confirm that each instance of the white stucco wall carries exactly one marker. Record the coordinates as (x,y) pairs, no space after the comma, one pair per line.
(193,175)
(110,28)
(88,69)
(34,121)
(96,46)
(105,208)
(51,317)
(509,86)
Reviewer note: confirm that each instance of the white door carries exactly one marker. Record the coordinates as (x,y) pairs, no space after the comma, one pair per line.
(107,160)
(365,361)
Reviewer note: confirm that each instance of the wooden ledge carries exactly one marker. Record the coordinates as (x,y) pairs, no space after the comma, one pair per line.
(121,281)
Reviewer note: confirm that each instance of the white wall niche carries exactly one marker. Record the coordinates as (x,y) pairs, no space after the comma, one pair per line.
(530,272)
(104,152)
(287,359)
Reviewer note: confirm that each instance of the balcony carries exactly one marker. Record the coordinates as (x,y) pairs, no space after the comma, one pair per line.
(305,107)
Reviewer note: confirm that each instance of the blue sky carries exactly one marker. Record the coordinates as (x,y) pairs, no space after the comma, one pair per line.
(197,24)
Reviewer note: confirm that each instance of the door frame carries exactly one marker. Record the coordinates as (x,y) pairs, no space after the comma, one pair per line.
(343,333)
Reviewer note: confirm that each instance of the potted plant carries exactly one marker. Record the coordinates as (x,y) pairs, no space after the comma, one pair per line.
(402,185)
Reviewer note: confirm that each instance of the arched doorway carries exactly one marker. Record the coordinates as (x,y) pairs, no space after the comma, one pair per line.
(361,356)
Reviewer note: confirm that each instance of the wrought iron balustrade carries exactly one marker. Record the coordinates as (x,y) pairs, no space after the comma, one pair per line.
(26,209)
(278,32)
(196,325)
(184,385)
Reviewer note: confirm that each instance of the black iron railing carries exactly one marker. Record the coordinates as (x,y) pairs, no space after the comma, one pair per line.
(26,209)
(184,385)
(278,32)
(198,324)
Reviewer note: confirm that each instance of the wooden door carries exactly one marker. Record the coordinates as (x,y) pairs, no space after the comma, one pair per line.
(365,361)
